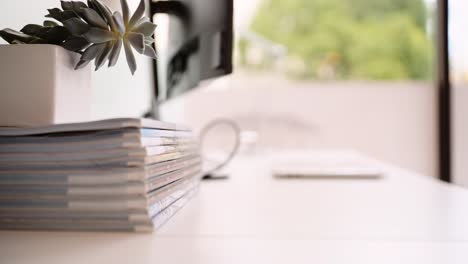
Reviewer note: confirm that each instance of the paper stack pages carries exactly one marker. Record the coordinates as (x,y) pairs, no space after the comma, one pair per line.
(110,175)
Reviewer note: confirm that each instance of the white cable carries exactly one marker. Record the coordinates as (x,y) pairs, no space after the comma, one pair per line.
(232,153)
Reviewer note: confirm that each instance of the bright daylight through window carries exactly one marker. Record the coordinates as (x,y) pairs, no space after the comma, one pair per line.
(341,39)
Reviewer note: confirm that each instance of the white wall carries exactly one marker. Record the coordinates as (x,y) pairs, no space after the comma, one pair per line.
(116,92)
(460,134)
(392,121)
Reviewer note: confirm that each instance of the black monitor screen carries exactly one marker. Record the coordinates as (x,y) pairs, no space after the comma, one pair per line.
(195,43)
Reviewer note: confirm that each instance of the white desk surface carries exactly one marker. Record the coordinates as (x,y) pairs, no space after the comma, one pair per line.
(254,218)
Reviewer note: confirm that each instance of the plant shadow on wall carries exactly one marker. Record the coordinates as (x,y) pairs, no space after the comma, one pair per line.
(342,39)
(93,31)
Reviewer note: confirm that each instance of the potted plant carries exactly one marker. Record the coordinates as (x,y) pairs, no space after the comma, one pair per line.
(46,74)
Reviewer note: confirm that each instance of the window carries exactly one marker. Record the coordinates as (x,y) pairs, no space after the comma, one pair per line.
(458,101)
(340,39)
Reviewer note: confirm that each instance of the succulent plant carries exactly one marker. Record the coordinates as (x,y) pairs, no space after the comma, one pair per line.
(93,31)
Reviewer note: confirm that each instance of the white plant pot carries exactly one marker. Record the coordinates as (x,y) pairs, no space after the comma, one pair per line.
(39,86)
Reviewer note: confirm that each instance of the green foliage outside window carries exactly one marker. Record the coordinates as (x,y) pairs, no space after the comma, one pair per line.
(354,39)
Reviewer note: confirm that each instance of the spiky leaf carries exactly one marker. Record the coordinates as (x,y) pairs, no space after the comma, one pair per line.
(149,41)
(32,29)
(107,14)
(92,52)
(137,40)
(119,23)
(78,5)
(93,6)
(38,41)
(103,56)
(10,35)
(66,5)
(150,52)
(60,15)
(76,26)
(93,18)
(125,11)
(82,64)
(97,35)
(17,42)
(94,31)
(75,43)
(74,6)
(142,20)
(139,12)
(114,56)
(49,23)
(145,28)
(54,35)
(54,13)
(130,57)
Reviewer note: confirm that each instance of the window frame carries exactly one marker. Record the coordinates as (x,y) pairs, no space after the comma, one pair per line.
(444,92)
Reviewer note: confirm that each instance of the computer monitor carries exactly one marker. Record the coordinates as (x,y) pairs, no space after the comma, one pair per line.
(199,44)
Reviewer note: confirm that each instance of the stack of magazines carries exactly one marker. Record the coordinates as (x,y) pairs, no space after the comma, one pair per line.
(110,175)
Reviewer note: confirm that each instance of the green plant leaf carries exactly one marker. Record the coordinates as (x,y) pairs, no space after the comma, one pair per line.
(74,6)
(54,35)
(78,5)
(142,20)
(17,42)
(38,41)
(92,52)
(92,30)
(149,40)
(66,5)
(42,33)
(103,56)
(93,6)
(130,57)
(81,64)
(125,11)
(145,28)
(60,15)
(75,43)
(137,41)
(150,52)
(54,13)
(10,35)
(114,56)
(97,35)
(107,14)
(49,23)
(93,18)
(76,26)
(139,12)
(119,23)
(32,29)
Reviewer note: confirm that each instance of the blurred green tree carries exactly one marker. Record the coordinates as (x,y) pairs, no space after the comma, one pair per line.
(358,39)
